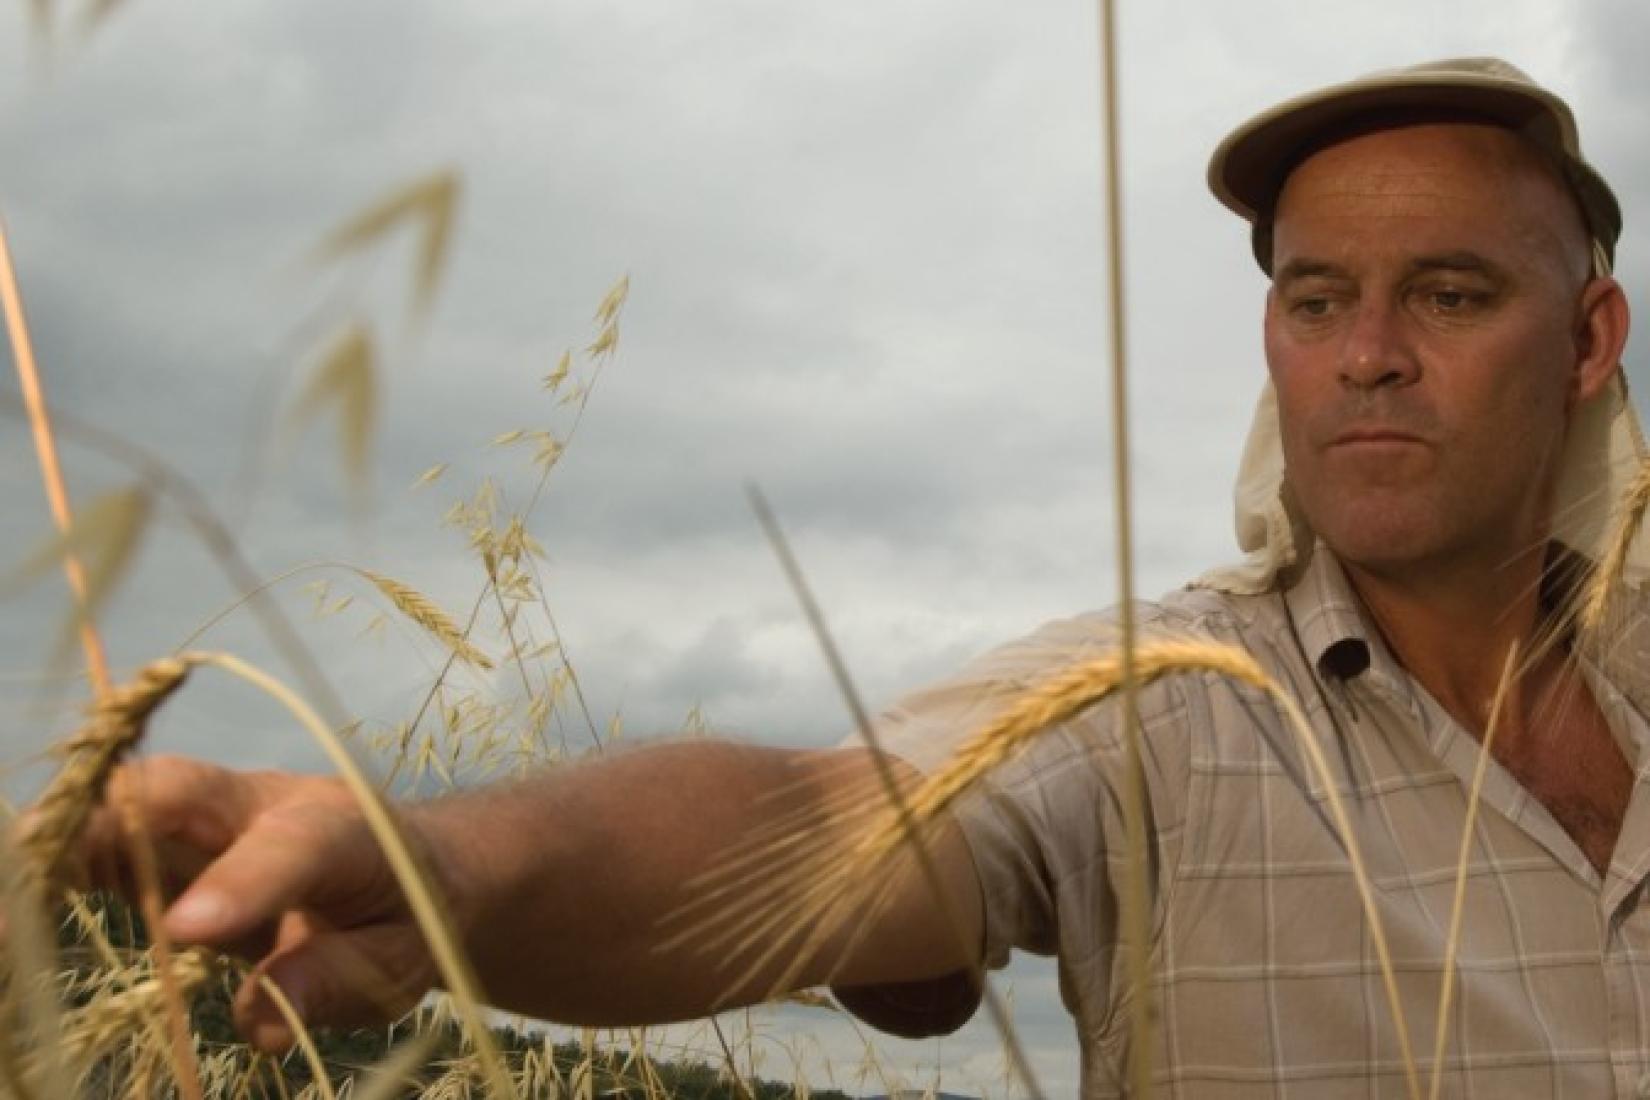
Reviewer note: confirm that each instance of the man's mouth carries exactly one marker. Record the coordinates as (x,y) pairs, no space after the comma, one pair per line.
(1375,436)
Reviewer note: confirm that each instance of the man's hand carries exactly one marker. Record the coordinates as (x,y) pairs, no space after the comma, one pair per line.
(280,870)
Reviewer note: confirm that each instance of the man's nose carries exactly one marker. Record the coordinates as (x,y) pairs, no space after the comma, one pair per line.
(1376,351)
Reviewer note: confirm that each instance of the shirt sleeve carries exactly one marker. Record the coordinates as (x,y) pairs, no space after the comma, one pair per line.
(1046,828)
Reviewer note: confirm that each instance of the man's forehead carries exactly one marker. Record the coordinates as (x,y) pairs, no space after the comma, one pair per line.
(1437,177)
(1420,157)
(1249,166)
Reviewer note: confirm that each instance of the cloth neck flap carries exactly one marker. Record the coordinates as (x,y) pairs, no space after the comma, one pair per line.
(1602,457)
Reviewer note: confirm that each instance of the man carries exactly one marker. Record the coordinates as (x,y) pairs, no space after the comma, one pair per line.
(1444,425)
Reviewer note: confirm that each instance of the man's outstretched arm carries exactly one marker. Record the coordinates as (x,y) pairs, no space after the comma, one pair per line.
(557,883)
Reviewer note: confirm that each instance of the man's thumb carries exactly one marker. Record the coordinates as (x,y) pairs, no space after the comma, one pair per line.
(342,979)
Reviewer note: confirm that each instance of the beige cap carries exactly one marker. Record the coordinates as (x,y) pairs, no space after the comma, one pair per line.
(1249,166)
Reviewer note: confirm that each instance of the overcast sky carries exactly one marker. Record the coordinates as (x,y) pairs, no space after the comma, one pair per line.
(867,273)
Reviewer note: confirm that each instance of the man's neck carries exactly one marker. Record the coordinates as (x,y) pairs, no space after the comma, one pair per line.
(1451,629)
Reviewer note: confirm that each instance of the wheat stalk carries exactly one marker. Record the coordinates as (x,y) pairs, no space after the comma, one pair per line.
(45,443)
(390,1078)
(1509,675)
(1360,877)
(306,1042)
(1136,919)
(950,921)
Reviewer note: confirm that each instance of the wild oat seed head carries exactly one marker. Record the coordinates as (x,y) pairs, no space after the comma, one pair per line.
(423,611)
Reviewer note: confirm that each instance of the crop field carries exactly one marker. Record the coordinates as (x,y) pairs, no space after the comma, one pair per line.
(96,1006)
(95,1002)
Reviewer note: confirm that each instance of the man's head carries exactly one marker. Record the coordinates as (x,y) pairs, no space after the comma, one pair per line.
(1440,306)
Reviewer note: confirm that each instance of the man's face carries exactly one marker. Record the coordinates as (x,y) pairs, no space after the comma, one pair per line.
(1421,333)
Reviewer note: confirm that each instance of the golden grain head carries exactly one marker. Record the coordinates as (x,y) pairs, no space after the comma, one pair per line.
(89,756)
(1597,595)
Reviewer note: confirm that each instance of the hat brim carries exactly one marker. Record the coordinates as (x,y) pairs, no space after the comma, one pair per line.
(1248,167)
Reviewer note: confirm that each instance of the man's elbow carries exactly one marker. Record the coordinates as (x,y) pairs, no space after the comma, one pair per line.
(914,1010)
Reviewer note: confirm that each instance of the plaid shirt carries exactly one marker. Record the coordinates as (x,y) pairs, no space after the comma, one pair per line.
(1265,977)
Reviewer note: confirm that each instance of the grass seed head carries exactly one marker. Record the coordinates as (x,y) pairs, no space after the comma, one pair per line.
(423,611)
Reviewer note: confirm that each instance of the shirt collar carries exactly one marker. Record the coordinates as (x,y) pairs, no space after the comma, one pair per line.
(1329,619)
(1337,635)
(1341,642)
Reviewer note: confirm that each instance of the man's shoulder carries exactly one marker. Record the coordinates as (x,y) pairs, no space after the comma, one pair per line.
(1185,613)
(925,725)
(1192,611)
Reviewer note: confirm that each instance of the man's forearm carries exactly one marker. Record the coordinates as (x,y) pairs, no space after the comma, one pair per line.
(561,882)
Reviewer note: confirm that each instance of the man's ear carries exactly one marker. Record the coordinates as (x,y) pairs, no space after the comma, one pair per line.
(1601,334)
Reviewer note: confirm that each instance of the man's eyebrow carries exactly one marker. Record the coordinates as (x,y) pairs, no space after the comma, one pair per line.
(1307,269)
(1460,261)
(1463,261)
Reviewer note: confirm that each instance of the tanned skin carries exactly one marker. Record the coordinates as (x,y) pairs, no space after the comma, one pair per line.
(1431,329)
(557,885)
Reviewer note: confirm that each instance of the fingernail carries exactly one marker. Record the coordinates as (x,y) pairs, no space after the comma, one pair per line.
(197,913)
(271,1037)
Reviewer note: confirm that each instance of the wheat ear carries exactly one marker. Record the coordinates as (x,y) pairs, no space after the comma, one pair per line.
(825,876)
(89,758)
(1607,577)
(53,827)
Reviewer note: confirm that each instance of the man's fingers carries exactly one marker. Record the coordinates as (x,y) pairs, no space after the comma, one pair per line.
(193,802)
(191,811)
(303,856)
(347,979)
(268,870)
(268,863)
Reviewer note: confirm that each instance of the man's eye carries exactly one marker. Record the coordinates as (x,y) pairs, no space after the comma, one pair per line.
(1451,301)
(1312,307)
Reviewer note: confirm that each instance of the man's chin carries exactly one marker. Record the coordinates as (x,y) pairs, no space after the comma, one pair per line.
(1380,543)
(1381,561)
